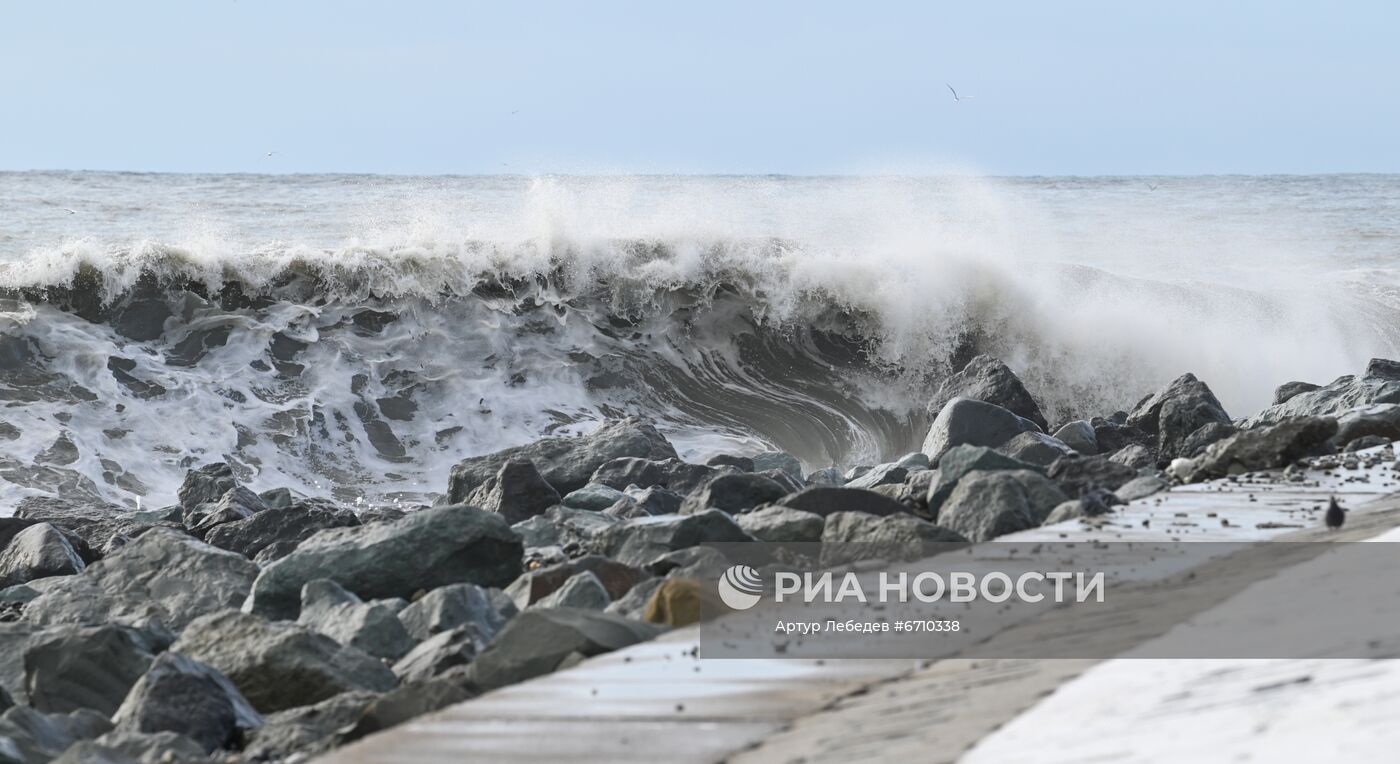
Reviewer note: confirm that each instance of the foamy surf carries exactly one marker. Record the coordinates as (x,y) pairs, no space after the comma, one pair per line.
(356,337)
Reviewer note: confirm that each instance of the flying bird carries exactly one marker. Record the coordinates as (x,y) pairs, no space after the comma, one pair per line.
(269,154)
(1151,187)
(70,211)
(957,97)
(1335,514)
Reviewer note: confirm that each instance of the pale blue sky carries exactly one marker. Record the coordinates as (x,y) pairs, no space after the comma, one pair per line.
(712,87)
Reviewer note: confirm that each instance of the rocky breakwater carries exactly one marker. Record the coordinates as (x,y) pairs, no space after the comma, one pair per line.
(269,626)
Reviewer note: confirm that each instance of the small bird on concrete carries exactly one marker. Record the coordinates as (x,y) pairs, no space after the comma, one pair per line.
(1335,514)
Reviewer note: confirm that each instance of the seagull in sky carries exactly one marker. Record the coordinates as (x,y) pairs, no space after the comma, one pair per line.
(1151,187)
(957,97)
(269,154)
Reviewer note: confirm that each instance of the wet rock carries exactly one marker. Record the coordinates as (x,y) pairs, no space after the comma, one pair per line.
(782,524)
(283,526)
(1112,435)
(989,380)
(206,485)
(1380,420)
(181,695)
(1077,474)
(964,421)
(1134,456)
(1196,443)
(121,368)
(1265,448)
(236,504)
(88,525)
(163,576)
(826,501)
(637,542)
(778,460)
(423,550)
(279,498)
(741,463)
(440,652)
(789,483)
(1177,411)
(655,501)
(516,492)
(673,474)
(634,603)
(1284,392)
(1079,435)
(141,319)
(582,590)
(1035,448)
(985,505)
(279,665)
(1378,384)
(86,667)
(306,730)
(594,497)
(538,640)
(451,607)
(959,461)
(566,463)
(733,493)
(828,477)
(373,627)
(883,474)
(914,462)
(38,551)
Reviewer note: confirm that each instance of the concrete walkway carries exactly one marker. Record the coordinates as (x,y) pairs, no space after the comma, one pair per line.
(658,702)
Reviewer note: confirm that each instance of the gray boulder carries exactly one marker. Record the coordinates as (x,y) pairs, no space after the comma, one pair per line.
(734,493)
(451,607)
(374,627)
(94,667)
(637,542)
(1176,411)
(1197,442)
(782,524)
(594,497)
(1079,435)
(237,504)
(1035,448)
(305,730)
(741,463)
(1079,474)
(39,737)
(959,461)
(1378,384)
(1380,420)
(280,665)
(1265,448)
(163,576)
(280,528)
(38,551)
(825,501)
(1141,488)
(655,501)
(826,477)
(186,697)
(672,474)
(985,505)
(423,550)
(440,652)
(883,474)
(778,460)
(1286,391)
(122,747)
(1134,456)
(409,701)
(988,379)
(206,485)
(566,463)
(538,640)
(852,536)
(1364,442)
(516,492)
(534,585)
(964,421)
(582,590)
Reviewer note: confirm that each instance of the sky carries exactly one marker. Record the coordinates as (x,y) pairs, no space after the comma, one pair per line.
(440,87)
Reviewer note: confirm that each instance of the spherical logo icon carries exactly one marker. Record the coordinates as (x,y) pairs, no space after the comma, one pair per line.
(741,587)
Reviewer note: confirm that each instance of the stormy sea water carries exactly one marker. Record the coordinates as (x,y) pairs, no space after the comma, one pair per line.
(354,336)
